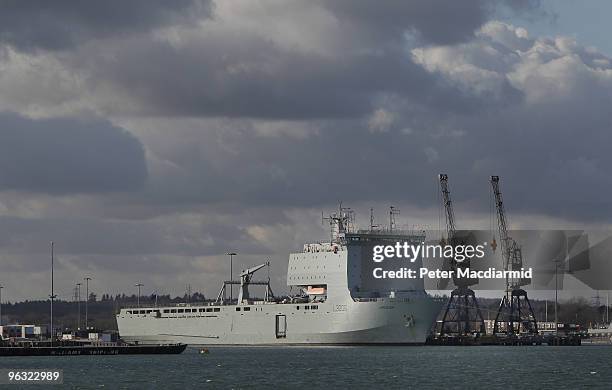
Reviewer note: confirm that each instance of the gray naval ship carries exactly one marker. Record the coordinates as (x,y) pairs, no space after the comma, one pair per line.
(338,301)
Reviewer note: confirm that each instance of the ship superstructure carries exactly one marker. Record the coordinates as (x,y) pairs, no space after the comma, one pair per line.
(338,302)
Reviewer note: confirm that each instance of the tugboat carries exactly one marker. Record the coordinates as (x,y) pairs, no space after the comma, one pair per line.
(72,347)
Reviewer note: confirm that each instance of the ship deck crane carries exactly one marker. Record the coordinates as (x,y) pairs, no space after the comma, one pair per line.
(245,281)
(462,315)
(515,310)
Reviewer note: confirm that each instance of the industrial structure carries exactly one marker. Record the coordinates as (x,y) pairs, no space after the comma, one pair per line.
(462,315)
(515,315)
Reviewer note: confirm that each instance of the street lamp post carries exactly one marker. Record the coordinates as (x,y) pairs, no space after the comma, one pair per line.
(557,265)
(231,255)
(78,285)
(1,287)
(52,296)
(87,279)
(139,285)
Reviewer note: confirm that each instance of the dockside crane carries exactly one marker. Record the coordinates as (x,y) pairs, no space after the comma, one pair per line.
(515,310)
(462,315)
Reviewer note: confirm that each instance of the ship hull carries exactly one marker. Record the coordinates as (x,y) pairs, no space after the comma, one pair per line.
(377,321)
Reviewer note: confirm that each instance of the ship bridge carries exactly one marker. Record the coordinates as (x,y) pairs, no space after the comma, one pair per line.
(346,267)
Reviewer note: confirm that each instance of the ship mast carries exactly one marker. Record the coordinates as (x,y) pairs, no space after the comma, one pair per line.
(340,223)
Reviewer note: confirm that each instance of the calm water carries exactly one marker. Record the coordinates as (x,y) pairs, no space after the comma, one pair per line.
(338,367)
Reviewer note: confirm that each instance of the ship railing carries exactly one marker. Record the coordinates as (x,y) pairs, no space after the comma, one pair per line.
(387,299)
(172,304)
(254,301)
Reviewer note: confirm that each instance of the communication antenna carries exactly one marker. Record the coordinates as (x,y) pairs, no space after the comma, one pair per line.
(392,213)
(340,222)
(373,226)
(188,292)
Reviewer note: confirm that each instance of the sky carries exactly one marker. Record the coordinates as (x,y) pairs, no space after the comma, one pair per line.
(149,138)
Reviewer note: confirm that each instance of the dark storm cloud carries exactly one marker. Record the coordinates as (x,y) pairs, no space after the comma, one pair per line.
(268,82)
(263,110)
(436,22)
(79,236)
(249,77)
(55,25)
(230,71)
(345,162)
(68,156)
(552,162)
(236,68)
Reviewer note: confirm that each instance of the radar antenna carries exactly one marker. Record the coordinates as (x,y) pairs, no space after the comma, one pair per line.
(340,223)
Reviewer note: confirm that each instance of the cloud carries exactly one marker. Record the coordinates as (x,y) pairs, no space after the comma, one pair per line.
(547,144)
(435,22)
(255,119)
(334,61)
(545,136)
(380,120)
(68,156)
(64,24)
(223,73)
(165,253)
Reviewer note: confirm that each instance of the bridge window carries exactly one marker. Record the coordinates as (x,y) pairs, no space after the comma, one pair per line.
(217,309)
(173,311)
(247,309)
(237,309)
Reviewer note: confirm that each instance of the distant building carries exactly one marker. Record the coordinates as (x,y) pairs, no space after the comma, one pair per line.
(22,331)
(601,331)
(543,327)
(88,336)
